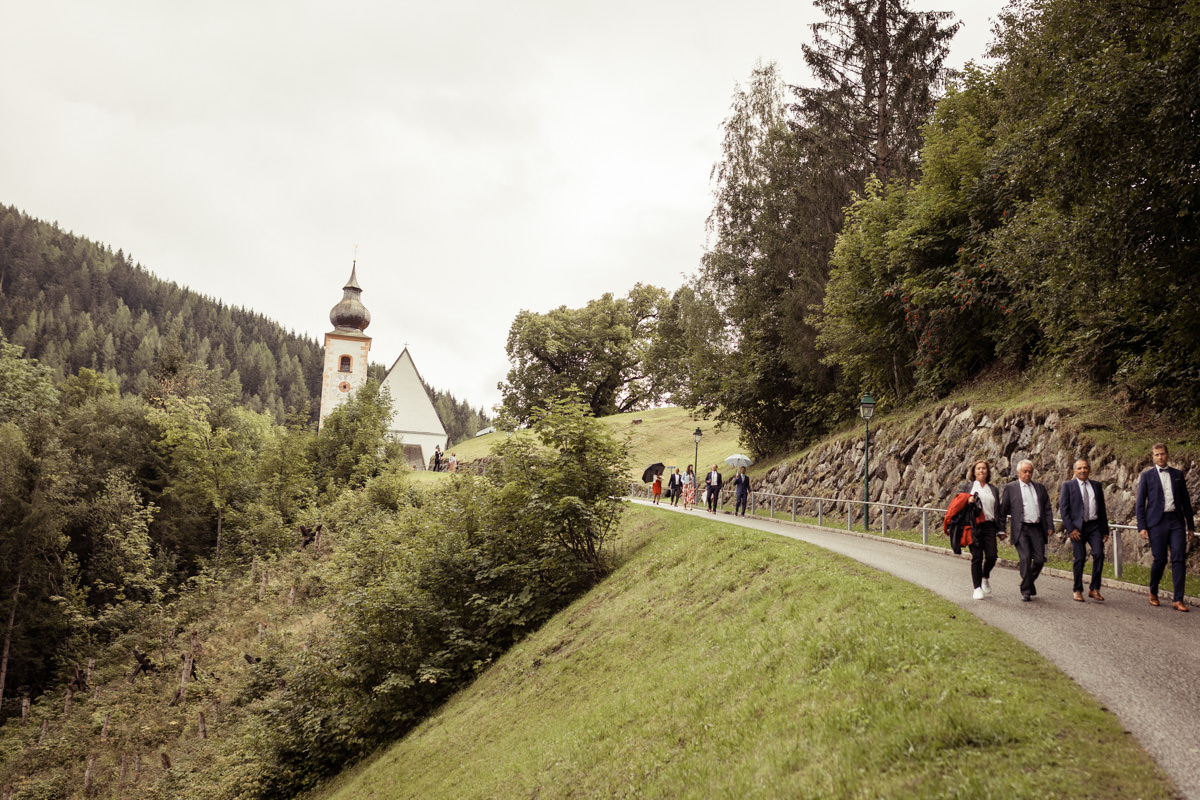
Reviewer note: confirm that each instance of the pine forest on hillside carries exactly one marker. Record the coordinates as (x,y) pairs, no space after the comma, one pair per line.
(74,304)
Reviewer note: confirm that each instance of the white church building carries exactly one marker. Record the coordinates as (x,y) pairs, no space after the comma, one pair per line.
(415,422)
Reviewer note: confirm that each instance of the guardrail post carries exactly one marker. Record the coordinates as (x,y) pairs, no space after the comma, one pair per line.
(820,512)
(883,521)
(924,527)
(793,509)
(1117,553)
(772,506)
(849,516)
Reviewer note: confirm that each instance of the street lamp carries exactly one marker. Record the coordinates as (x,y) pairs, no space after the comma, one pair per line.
(866,407)
(696,437)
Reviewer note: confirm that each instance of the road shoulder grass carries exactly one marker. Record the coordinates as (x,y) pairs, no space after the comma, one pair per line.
(722,662)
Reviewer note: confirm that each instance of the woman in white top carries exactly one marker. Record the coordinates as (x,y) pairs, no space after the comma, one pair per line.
(983,545)
(689,489)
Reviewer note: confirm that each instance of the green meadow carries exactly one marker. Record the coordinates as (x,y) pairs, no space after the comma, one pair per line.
(720,662)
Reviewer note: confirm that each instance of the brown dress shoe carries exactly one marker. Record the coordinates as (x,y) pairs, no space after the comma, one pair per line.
(1153,599)
(1078,597)
(1095,595)
(1179,606)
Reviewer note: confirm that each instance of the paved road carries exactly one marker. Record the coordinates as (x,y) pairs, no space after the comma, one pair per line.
(1144,665)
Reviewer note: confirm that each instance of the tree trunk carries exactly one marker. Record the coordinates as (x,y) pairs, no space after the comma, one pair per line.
(883,112)
(12,619)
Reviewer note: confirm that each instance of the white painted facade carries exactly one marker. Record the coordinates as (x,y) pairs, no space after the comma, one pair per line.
(414,422)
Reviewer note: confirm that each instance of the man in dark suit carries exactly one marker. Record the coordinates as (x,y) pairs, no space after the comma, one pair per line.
(741,488)
(1164,517)
(1085,519)
(714,482)
(1028,503)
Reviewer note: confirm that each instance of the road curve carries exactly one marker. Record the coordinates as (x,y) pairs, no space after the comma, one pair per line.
(1141,662)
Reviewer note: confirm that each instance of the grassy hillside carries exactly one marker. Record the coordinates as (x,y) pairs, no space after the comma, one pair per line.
(662,435)
(718,662)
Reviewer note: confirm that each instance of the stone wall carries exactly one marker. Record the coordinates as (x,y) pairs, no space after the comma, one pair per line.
(923,462)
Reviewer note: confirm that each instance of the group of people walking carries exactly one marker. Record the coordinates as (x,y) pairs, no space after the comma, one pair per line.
(1163,510)
(685,484)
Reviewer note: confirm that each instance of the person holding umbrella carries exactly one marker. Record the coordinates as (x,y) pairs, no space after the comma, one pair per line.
(657,487)
(741,487)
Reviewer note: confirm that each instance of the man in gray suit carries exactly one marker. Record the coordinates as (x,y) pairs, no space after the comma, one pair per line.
(1028,503)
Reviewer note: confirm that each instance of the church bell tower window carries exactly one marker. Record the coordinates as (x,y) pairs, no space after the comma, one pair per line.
(344,364)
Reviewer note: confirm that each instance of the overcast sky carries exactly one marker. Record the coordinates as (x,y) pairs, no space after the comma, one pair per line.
(485,157)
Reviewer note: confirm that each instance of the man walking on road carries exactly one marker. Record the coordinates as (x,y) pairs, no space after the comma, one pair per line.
(1028,503)
(1081,505)
(1164,513)
(741,488)
(713,481)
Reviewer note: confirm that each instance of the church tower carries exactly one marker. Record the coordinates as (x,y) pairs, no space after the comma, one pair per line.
(346,348)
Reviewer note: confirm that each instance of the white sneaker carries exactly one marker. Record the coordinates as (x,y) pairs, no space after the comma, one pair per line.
(987,586)
(978,594)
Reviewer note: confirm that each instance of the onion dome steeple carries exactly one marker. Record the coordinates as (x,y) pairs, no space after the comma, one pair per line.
(350,314)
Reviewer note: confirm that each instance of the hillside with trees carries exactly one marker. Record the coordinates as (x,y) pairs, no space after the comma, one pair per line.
(896,229)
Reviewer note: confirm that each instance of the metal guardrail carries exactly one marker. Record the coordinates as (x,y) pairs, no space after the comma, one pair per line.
(838,507)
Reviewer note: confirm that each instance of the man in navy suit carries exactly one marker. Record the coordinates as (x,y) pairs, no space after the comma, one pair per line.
(1081,505)
(714,482)
(1028,503)
(1164,517)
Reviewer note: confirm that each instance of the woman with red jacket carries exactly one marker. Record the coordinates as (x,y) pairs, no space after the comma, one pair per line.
(984,535)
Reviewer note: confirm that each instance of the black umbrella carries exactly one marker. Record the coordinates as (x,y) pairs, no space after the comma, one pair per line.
(651,471)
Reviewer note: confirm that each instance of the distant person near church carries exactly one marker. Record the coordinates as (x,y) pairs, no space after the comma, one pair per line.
(713,483)
(1164,517)
(657,487)
(689,489)
(741,488)
(453,462)
(1081,506)
(437,458)
(675,487)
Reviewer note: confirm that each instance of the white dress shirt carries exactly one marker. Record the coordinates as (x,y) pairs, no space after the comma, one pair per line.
(1089,500)
(1168,493)
(1030,501)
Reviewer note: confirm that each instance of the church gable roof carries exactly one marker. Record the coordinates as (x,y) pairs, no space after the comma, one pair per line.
(412,410)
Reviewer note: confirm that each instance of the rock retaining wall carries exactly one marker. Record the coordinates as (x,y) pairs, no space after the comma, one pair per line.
(923,462)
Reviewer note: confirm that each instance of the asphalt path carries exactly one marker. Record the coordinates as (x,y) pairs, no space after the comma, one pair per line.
(1140,662)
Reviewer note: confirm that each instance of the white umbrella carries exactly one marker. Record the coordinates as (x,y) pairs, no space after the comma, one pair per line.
(739,460)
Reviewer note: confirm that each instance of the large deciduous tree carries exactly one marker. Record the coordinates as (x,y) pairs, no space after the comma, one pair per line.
(598,352)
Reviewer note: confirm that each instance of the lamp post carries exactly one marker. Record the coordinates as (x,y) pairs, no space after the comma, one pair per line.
(696,437)
(866,407)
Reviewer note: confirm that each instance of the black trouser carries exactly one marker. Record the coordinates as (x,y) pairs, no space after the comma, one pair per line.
(713,496)
(740,502)
(1091,534)
(983,552)
(1030,542)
